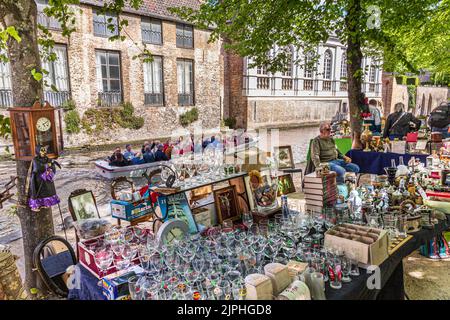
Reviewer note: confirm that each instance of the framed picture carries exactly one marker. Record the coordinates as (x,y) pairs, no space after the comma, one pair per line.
(264,190)
(176,206)
(82,205)
(284,157)
(285,184)
(226,204)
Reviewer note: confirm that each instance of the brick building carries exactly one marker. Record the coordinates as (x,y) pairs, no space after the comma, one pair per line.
(187,71)
(300,96)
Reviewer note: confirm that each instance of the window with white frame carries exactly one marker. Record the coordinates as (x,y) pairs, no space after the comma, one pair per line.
(344,66)
(103,24)
(372,73)
(108,77)
(58,75)
(327,65)
(153,82)
(261,70)
(290,56)
(151,30)
(5,85)
(185,74)
(308,68)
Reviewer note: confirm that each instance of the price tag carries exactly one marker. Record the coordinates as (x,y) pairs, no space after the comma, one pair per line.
(421,145)
(422,192)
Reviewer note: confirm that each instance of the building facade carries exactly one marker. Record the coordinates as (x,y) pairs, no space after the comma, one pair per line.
(300,95)
(95,72)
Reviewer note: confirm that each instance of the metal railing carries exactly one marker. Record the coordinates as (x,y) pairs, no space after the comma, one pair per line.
(56,99)
(109,99)
(5,98)
(154,99)
(185,99)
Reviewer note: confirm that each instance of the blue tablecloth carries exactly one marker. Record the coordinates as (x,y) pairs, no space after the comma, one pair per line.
(86,286)
(374,162)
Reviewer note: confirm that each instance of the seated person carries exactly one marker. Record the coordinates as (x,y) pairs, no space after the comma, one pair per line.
(149,157)
(398,123)
(117,159)
(129,154)
(159,154)
(324,150)
(146,143)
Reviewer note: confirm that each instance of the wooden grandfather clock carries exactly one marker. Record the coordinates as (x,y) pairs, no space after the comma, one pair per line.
(38,125)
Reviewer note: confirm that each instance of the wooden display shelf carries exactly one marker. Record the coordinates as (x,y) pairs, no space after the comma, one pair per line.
(397,243)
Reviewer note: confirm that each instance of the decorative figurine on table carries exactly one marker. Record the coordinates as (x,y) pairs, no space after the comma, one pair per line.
(355,204)
(366,137)
(42,190)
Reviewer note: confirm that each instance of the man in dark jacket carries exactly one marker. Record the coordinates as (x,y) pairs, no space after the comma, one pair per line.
(148,155)
(117,159)
(398,123)
(160,155)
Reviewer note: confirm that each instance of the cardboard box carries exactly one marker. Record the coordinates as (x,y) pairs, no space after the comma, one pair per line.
(130,211)
(115,285)
(366,254)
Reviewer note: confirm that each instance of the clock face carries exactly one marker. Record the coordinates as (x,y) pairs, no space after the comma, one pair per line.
(43,124)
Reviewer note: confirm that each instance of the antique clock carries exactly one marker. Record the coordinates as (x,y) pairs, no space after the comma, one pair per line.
(38,125)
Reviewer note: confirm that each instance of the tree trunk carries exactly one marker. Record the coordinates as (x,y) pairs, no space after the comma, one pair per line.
(24,57)
(354,69)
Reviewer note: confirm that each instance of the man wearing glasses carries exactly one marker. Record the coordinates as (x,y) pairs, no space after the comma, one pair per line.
(324,150)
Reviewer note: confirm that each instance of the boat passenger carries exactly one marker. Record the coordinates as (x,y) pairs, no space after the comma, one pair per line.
(129,154)
(159,154)
(117,159)
(149,156)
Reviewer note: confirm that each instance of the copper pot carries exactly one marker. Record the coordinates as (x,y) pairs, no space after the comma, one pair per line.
(436,137)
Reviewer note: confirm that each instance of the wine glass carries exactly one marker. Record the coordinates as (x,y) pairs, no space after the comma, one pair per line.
(103,259)
(247,220)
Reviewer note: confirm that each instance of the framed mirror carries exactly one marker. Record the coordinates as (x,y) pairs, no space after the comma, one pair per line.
(82,205)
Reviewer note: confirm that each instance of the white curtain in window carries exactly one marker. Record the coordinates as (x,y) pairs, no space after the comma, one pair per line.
(327,65)
(157,71)
(188,77)
(180,73)
(5,76)
(99,71)
(60,69)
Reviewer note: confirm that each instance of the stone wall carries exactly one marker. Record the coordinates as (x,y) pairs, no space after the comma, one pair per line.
(285,113)
(428,98)
(159,121)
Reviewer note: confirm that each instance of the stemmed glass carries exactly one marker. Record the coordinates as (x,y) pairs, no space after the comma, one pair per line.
(103,259)
(247,220)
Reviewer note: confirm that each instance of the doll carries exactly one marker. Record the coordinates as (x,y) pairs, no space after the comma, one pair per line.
(42,192)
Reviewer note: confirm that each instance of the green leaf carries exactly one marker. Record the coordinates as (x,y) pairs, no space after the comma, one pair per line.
(13,33)
(36,75)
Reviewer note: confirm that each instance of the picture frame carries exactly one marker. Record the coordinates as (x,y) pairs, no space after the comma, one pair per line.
(284,157)
(82,205)
(285,184)
(226,204)
(176,206)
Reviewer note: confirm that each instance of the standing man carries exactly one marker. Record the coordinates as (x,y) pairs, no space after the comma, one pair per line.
(375,117)
(324,150)
(398,123)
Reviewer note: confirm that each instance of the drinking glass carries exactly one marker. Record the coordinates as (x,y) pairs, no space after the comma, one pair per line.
(355,268)
(121,263)
(317,286)
(403,226)
(346,264)
(335,273)
(247,220)
(134,288)
(103,259)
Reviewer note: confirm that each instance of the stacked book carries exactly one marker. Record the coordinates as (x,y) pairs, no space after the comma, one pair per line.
(320,192)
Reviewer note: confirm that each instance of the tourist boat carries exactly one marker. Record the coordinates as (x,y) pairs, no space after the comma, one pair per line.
(111,172)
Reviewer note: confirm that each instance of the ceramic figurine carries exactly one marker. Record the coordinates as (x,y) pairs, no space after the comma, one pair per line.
(355,204)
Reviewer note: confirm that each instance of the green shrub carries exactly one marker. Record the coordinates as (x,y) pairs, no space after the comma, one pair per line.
(230,122)
(68,105)
(96,120)
(72,120)
(188,117)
